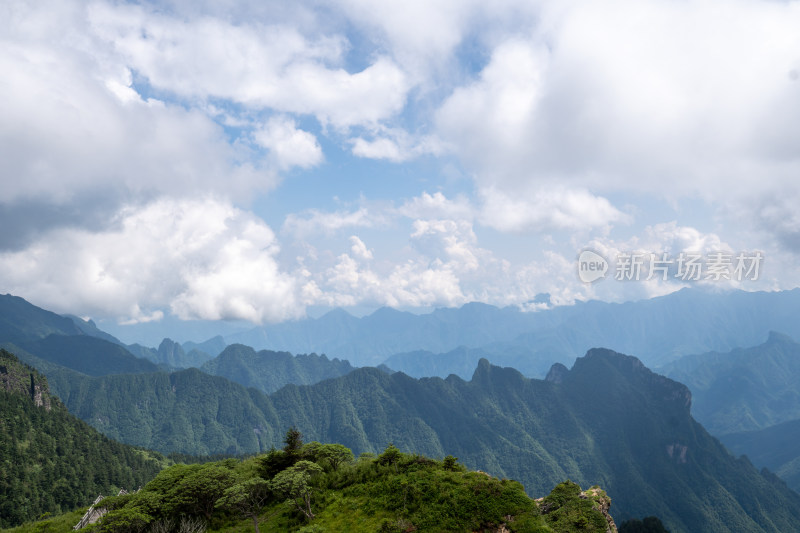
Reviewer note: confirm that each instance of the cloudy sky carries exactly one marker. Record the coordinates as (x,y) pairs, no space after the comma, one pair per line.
(264,161)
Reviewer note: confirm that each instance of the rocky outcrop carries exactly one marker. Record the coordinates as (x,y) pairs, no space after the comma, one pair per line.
(19,378)
(602,503)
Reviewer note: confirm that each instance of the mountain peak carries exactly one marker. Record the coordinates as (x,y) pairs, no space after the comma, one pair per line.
(602,368)
(489,374)
(775,337)
(557,373)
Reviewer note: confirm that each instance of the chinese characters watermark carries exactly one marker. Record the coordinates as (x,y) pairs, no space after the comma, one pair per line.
(685,266)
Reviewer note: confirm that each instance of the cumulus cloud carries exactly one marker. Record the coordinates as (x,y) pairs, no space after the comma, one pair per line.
(360,249)
(289,146)
(667,99)
(77,140)
(416,283)
(437,206)
(198,258)
(544,210)
(261,65)
(565,122)
(396,145)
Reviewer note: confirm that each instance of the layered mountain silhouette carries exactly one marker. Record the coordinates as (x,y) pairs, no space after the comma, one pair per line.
(607,420)
(658,330)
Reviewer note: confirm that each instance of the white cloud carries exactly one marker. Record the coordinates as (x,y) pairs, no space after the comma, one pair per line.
(289,146)
(665,99)
(259,65)
(437,206)
(450,241)
(396,145)
(72,125)
(360,249)
(200,259)
(421,35)
(545,210)
(314,221)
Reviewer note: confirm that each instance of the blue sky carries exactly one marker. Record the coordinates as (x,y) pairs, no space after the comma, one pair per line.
(260,161)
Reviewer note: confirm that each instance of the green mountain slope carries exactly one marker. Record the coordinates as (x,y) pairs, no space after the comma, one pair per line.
(186,412)
(745,389)
(268,371)
(51,461)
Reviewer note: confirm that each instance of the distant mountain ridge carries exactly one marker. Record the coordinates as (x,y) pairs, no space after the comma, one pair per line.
(658,330)
(268,371)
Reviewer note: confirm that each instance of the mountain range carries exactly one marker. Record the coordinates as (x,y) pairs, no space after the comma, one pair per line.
(608,420)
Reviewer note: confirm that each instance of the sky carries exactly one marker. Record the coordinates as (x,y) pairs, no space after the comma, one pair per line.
(265,161)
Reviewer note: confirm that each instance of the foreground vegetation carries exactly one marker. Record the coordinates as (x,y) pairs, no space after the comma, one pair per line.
(320,487)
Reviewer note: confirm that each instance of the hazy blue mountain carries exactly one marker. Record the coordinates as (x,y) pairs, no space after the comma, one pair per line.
(88,327)
(775,447)
(745,389)
(422,363)
(608,421)
(659,330)
(212,346)
(371,339)
(172,354)
(268,371)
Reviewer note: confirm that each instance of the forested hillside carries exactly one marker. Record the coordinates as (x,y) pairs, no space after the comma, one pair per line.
(51,461)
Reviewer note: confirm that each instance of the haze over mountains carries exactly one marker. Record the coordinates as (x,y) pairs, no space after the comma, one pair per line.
(658,330)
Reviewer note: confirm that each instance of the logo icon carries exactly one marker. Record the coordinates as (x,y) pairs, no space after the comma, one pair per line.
(591,266)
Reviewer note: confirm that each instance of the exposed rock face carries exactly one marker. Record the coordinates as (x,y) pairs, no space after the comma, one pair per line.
(602,503)
(21,379)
